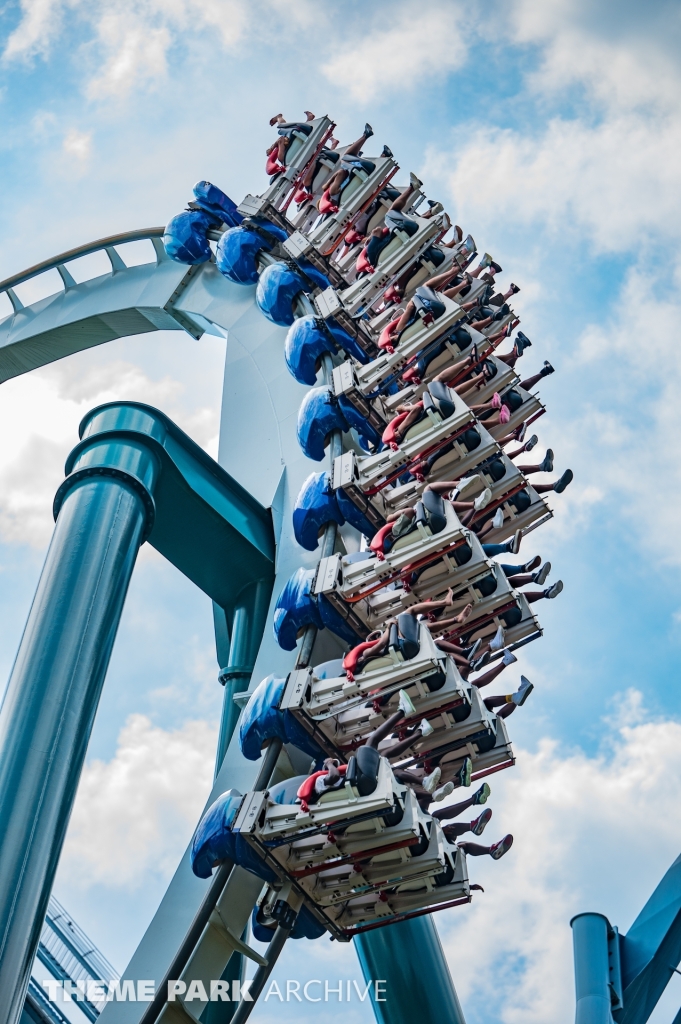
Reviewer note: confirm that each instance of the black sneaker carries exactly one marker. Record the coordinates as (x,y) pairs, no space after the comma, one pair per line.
(561,484)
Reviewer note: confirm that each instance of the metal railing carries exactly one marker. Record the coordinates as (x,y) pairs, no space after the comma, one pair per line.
(59,262)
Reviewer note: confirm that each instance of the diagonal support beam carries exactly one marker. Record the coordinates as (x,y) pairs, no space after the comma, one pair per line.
(651,949)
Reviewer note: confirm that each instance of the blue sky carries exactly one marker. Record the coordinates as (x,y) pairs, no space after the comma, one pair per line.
(552,132)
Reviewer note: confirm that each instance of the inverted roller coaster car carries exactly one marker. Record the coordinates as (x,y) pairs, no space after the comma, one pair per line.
(482,736)
(303,149)
(339,712)
(326,232)
(421,342)
(356,849)
(398,255)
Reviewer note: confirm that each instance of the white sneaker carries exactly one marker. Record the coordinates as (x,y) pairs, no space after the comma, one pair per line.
(468,485)
(429,782)
(405,703)
(498,520)
(443,791)
(426,727)
(508,658)
(483,499)
(497,641)
(414,181)
(523,691)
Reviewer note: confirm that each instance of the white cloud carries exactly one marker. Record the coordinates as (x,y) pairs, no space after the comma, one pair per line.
(130,39)
(616,182)
(40,21)
(136,53)
(78,144)
(134,814)
(579,823)
(623,66)
(39,417)
(383,58)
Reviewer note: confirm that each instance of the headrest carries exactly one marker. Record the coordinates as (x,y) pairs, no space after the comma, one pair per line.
(442,398)
(512,399)
(470,439)
(520,501)
(487,585)
(496,469)
(462,337)
(436,256)
(512,617)
(463,554)
(429,301)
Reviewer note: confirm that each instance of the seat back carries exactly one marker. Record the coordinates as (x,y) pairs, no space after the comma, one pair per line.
(362,771)
(410,633)
(442,398)
(434,506)
(423,424)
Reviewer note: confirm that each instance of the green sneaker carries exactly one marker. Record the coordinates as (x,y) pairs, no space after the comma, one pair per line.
(464,773)
(480,796)
(405,703)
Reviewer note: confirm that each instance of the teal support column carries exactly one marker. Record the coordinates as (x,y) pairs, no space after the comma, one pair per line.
(248,624)
(104,511)
(134,475)
(409,958)
(592,969)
